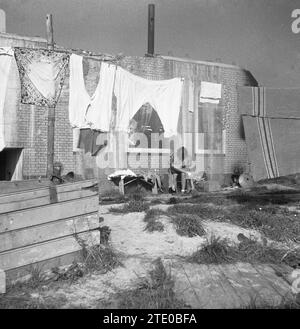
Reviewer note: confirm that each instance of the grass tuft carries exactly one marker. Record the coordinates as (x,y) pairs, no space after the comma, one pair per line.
(98,257)
(152,223)
(131,206)
(37,276)
(217,251)
(275,222)
(187,225)
(156,291)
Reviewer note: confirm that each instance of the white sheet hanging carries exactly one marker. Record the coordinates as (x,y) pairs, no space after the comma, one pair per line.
(133,91)
(43,74)
(191,96)
(6,55)
(85,111)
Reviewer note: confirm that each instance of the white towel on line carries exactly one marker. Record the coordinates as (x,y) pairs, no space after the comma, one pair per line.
(95,111)
(210,92)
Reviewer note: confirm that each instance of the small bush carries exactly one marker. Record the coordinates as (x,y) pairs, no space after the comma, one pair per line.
(188,225)
(101,258)
(98,257)
(215,251)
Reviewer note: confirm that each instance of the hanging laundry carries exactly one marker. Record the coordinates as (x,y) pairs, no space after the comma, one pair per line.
(191,96)
(210,92)
(76,136)
(89,140)
(132,92)
(42,74)
(94,111)
(6,55)
(271,120)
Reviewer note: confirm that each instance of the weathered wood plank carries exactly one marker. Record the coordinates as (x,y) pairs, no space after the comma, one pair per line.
(265,293)
(41,201)
(24,195)
(17,186)
(39,215)
(44,191)
(47,250)
(71,195)
(19,205)
(67,187)
(20,273)
(49,231)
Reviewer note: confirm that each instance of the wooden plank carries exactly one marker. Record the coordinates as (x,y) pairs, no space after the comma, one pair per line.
(46,250)
(67,187)
(25,195)
(17,186)
(66,196)
(42,200)
(20,273)
(44,191)
(49,231)
(56,211)
(19,205)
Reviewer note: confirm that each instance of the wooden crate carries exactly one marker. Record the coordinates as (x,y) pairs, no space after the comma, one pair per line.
(35,230)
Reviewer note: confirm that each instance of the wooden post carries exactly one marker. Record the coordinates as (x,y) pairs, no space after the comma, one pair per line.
(51,110)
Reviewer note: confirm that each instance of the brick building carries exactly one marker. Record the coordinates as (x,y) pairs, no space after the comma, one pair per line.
(26,125)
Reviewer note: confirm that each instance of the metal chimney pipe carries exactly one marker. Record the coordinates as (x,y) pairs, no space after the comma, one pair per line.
(151,14)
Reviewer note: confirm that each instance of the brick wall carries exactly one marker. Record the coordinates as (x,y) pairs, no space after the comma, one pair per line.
(229,76)
(26,125)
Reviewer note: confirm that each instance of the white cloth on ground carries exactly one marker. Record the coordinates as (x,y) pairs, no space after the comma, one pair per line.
(210,92)
(122,173)
(133,91)
(6,55)
(93,112)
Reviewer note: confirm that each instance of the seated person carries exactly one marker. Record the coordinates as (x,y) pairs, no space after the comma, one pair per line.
(182,165)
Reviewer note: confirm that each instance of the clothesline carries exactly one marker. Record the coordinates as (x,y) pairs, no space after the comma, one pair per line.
(117,58)
(65,51)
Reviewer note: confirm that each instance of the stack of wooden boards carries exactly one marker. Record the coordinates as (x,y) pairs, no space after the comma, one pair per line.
(37,229)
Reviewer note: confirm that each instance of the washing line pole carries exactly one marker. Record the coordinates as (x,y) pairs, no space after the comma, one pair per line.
(51,110)
(151,23)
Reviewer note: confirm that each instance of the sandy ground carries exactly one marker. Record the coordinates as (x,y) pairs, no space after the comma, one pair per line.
(201,286)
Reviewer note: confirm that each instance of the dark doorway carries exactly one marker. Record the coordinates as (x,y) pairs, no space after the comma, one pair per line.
(9,158)
(148,122)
